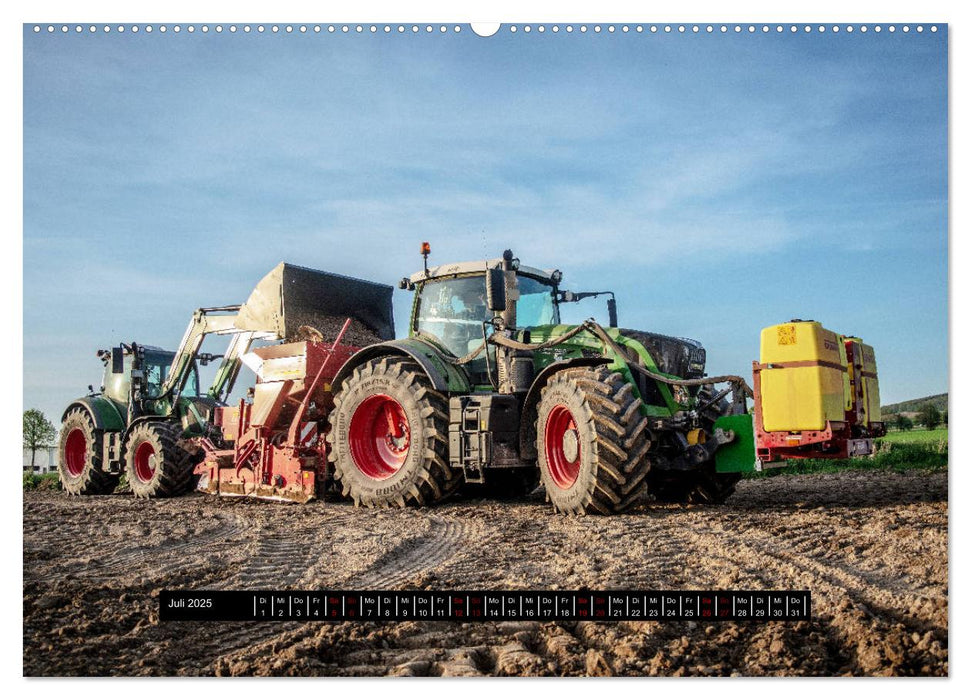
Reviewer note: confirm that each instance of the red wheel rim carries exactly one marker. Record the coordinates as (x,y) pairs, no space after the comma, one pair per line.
(379,437)
(75,452)
(145,462)
(562,441)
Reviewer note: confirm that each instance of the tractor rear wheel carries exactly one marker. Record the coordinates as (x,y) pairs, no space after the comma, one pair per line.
(80,466)
(592,442)
(155,463)
(389,436)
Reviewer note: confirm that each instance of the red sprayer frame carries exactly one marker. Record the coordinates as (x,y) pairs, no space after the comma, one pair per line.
(837,440)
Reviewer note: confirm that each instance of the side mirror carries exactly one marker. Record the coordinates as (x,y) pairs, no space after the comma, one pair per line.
(496,289)
(117,360)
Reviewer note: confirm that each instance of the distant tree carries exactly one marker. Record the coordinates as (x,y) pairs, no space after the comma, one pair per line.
(929,416)
(38,433)
(902,422)
(944,417)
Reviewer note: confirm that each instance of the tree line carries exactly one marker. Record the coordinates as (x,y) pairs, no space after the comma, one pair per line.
(928,415)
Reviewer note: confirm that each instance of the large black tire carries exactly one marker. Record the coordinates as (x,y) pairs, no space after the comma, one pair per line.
(389,437)
(79,463)
(701,486)
(592,442)
(155,464)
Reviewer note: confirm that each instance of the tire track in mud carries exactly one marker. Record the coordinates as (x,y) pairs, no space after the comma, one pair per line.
(853,615)
(672,556)
(273,566)
(280,561)
(158,560)
(411,557)
(169,556)
(840,581)
(817,546)
(415,555)
(810,548)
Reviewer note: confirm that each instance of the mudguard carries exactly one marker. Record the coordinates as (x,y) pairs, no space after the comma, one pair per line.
(104,413)
(445,377)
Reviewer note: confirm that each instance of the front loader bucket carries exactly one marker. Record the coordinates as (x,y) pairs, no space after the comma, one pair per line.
(291,296)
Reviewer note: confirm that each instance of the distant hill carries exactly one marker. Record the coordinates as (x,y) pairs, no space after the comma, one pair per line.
(912,406)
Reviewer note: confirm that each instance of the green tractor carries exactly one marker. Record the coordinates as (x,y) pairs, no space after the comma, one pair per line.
(149,400)
(151,415)
(492,392)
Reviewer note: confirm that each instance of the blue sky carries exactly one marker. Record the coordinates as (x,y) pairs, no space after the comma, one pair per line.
(718,183)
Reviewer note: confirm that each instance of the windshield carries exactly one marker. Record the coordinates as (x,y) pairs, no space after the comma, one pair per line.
(157,370)
(536,306)
(452,310)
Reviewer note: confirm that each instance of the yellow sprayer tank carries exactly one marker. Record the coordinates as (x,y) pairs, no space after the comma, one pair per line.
(863,376)
(804,380)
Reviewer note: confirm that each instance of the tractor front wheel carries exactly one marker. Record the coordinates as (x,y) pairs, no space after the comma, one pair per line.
(156,465)
(79,465)
(592,442)
(389,436)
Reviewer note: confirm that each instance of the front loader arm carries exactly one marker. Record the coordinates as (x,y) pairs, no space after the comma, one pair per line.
(222,385)
(205,321)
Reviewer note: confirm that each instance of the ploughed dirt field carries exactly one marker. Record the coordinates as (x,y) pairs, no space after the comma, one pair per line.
(871,546)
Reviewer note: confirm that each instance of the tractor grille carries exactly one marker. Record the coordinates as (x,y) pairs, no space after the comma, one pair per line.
(681,357)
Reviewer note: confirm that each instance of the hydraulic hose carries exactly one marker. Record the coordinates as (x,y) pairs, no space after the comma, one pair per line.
(498,339)
(597,330)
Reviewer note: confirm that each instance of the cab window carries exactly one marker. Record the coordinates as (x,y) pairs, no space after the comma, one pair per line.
(157,371)
(536,305)
(452,310)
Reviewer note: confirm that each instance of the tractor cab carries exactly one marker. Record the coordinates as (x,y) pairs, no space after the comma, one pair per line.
(148,364)
(457,306)
(453,307)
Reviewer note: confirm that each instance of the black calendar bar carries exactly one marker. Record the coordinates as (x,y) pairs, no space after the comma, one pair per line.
(485,606)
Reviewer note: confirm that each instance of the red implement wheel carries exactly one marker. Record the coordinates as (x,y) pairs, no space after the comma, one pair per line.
(379,436)
(155,463)
(79,465)
(389,436)
(592,442)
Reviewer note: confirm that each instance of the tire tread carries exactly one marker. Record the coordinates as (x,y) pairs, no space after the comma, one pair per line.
(621,442)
